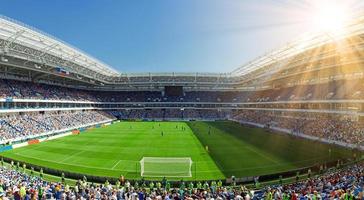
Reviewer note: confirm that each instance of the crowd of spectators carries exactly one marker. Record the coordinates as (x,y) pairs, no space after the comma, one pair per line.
(345,183)
(323,126)
(328,126)
(170,114)
(25,125)
(331,127)
(332,90)
(29,90)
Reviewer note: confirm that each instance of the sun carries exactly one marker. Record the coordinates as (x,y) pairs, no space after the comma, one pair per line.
(330,16)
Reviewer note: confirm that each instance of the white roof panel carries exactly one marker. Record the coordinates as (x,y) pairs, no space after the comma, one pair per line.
(34,38)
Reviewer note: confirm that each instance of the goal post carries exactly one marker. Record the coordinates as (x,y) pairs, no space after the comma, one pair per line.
(165,167)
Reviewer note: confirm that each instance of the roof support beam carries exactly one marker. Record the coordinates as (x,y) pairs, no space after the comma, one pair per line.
(12,39)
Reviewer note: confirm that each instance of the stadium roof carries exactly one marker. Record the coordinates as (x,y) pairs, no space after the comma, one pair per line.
(14,31)
(304,43)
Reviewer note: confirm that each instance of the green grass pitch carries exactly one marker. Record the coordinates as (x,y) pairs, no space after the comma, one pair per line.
(232,150)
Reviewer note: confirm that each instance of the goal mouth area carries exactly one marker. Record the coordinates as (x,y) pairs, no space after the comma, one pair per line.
(166,167)
(164,159)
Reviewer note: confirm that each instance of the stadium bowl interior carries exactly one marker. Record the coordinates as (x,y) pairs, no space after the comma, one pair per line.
(291,125)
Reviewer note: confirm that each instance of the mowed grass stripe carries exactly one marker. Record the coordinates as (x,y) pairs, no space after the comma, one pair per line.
(233,156)
(117,149)
(243,151)
(233,150)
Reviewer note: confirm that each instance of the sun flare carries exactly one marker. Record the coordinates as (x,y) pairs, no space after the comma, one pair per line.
(330,16)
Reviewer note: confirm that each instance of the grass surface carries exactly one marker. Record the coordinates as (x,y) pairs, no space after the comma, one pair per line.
(232,150)
(243,151)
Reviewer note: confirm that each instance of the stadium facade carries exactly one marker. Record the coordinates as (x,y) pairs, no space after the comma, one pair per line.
(318,73)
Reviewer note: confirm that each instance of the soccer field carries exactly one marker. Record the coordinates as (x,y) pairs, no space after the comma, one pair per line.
(232,150)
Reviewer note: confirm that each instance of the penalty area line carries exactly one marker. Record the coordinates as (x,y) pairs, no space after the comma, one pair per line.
(116,164)
(71,156)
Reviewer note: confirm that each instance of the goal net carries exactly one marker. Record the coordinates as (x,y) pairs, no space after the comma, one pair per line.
(165,167)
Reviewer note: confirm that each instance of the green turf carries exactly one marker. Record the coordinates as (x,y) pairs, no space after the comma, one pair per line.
(117,149)
(233,150)
(243,151)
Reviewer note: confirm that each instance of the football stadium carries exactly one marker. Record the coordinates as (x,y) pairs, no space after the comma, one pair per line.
(288,124)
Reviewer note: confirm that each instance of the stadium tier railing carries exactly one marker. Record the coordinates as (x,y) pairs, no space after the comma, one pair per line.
(24,100)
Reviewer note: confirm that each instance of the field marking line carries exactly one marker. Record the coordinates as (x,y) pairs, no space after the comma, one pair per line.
(87,166)
(76,165)
(62,163)
(115,165)
(31,149)
(73,155)
(118,162)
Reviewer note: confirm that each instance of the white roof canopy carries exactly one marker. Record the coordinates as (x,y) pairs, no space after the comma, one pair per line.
(14,31)
(302,44)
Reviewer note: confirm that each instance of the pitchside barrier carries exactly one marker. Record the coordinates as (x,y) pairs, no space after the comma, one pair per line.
(6,148)
(47,136)
(30,142)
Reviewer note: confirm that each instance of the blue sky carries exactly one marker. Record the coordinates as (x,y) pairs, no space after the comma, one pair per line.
(167,35)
